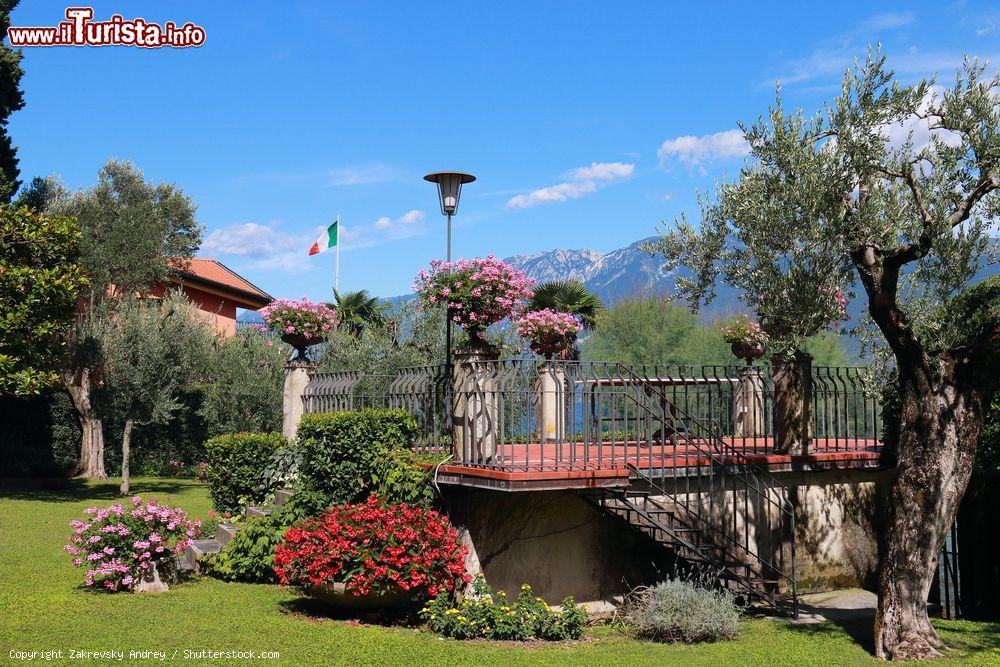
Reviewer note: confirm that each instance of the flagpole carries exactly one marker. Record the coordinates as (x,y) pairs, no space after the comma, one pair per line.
(336,275)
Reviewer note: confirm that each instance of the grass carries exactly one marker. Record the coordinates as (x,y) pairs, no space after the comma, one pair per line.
(43,607)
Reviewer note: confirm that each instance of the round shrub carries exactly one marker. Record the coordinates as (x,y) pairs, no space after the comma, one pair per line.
(119,543)
(681,611)
(373,548)
(236,465)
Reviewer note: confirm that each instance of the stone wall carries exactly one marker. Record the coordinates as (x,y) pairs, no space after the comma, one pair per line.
(562,545)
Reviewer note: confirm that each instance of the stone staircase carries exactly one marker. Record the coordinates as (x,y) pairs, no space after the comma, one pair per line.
(187,560)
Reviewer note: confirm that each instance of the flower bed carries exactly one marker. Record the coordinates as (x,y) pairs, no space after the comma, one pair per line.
(488,615)
(372,548)
(118,544)
(477,292)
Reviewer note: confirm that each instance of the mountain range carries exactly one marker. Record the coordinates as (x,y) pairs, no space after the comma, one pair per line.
(613,276)
(622,274)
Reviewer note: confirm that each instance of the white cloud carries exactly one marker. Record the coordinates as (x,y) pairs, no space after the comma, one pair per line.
(264,245)
(603,171)
(267,247)
(362,175)
(385,229)
(887,21)
(832,56)
(694,150)
(248,239)
(581,182)
(324,178)
(918,130)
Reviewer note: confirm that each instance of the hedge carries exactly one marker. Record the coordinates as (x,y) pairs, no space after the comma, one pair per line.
(344,454)
(236,465)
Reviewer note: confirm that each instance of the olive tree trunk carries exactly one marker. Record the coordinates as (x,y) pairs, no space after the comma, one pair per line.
(942,411)
(126,446)
(91,465)
(793,406)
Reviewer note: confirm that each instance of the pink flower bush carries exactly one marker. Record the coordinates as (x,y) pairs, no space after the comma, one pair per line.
(547,326)
(477,292)
(300,317)
(119,543)
(747,332)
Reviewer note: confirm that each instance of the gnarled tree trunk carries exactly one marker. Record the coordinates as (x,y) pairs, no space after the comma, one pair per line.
(91,464)
(792,411)
(943,407)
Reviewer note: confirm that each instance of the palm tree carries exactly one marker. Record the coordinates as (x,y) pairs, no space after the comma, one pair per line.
(358,309)
(567,296)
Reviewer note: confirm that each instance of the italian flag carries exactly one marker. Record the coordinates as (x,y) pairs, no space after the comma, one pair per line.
(326,240)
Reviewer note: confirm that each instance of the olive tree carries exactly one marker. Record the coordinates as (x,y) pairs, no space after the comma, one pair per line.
(896,186)
(129,228)
(151,350)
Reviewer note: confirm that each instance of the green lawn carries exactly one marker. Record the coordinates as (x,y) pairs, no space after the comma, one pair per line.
(42,607)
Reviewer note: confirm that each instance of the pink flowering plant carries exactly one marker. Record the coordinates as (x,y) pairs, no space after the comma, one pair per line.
(548,327)
(308,320)
(746,333)
(118,544)
(477,292)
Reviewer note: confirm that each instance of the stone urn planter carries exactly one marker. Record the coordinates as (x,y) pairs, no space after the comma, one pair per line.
(555,347)
(336,595)
(300,343)
(746,351)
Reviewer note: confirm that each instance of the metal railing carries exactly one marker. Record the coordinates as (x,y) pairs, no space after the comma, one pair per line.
(526,414)
(420,390)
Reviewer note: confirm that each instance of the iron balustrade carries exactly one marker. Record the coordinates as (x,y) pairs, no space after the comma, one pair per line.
(535,415)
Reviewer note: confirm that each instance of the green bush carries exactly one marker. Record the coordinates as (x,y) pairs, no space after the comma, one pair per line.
(407,477)
(489,615)
(236,465)
(682,611)
(344,453)
(249,555)
(243,392)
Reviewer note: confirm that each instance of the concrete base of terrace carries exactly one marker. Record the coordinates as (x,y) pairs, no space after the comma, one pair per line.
(562,545)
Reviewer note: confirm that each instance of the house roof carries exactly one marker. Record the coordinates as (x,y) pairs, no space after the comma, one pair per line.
(216,276)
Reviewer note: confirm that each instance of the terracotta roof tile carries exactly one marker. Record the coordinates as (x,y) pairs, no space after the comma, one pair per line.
(212,271)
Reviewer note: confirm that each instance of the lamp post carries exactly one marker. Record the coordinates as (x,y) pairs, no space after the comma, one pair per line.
(449,184)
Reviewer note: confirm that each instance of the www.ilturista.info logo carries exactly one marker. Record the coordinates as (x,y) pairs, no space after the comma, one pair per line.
(80,30)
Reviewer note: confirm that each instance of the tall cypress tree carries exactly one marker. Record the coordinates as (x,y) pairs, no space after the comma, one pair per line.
(11,99)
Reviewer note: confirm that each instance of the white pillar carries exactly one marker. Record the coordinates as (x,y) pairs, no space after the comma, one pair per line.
(748,404)
(296,380)
(475,408)
(550,402)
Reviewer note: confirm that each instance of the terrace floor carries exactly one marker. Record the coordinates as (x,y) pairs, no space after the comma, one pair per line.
(569,465)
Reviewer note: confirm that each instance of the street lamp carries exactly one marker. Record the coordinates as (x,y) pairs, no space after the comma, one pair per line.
(449,191)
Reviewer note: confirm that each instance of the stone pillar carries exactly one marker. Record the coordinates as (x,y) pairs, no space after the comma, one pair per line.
(793,406)
(748,404)
(550,402)
(297,376)
(474,406)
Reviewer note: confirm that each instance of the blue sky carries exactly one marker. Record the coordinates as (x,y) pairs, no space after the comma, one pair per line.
(586,123)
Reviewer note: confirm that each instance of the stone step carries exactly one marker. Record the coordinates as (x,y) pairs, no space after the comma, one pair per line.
(281,496)
(259,512)
(225,532)
(187,560)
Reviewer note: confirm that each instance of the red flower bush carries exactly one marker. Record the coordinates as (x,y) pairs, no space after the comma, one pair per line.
(373,547)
